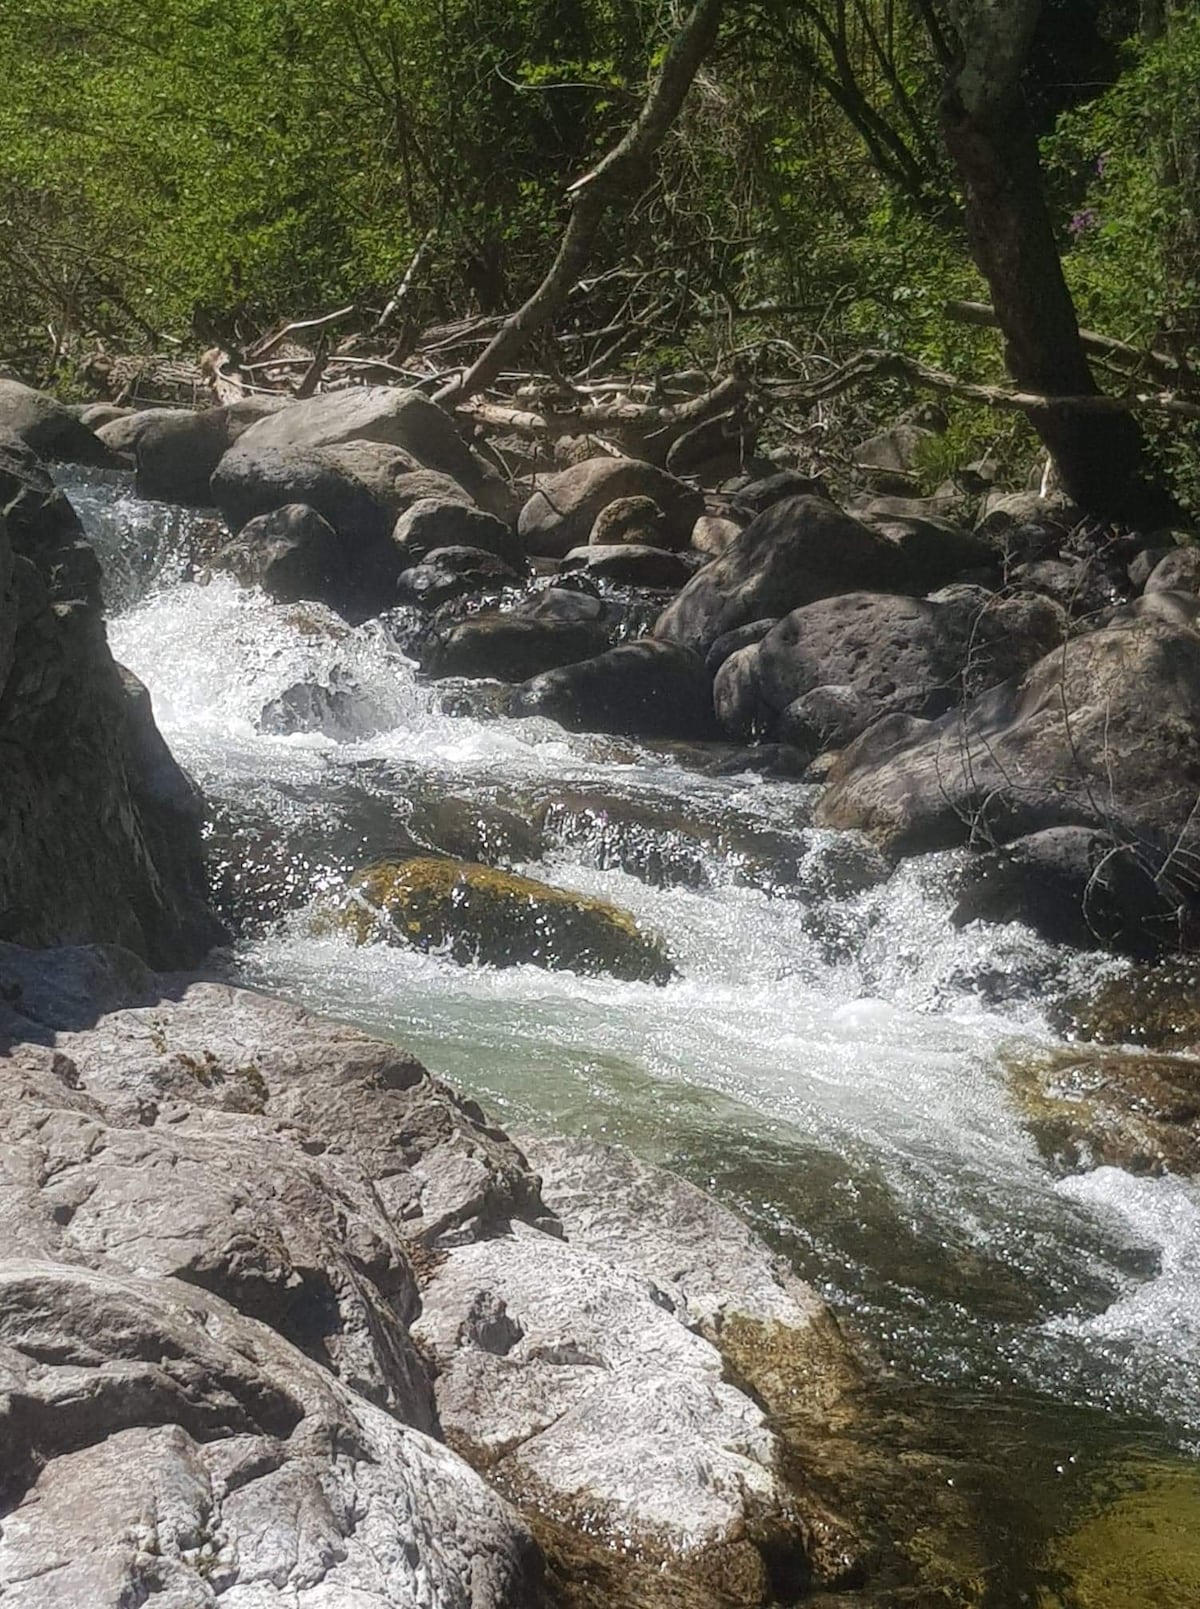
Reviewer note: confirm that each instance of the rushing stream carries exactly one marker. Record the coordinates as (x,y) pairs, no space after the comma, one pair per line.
(831,1059)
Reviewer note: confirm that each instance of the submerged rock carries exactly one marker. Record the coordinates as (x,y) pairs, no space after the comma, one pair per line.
(476,913)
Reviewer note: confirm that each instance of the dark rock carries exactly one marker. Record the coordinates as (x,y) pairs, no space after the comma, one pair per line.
(177,450)
(630,565)
(741,637)
(896,449)
(1081,587)
(752,496)
(511,647)
(1142,565)
(456,572)
(837,665)
(562,511)
(249,481)
(797,551)
(433,523)
(1178,571)
(1102,733)
(637,520)
(714,449)
(559,603)
(48,428)
(99,829)
(292,554)
(1022,526)
(933,551)
(1156,1007)
(639,689)
(1073,885)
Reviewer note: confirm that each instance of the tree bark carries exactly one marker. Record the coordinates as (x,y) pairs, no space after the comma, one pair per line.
(620,174)
(991,140)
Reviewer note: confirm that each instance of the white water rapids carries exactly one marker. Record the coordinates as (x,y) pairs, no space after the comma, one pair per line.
(832,1067)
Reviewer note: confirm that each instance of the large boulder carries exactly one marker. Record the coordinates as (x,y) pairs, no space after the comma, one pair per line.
(292,554)
(243,1248)
(477,913)
(394,417)
(250,481)
(883,655)
(433,522)
(177,449)
(99,829)
(638,689)
(1103,733)
(512,646)
(628,564)
(794,553)
(564,508)
(49,428)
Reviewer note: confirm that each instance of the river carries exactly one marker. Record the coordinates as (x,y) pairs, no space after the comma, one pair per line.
(831,1059)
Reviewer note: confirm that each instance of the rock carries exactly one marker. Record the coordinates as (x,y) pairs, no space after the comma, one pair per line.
(1142,565)
(48,428)
(637,520)
(883,655)
(1131,1544)
(1080,586)
(250,481)
(1022,526)
(336,708)
(511,647)
(432,523)
(177,450)
(933,550)
(99,829)
(96,414)
(712,534)
(1102,733)
(1157,1007)
(455,572)
(562,511)
(1072,885)
(611,1362)
(478,914)
(388,415)
(897,449)
(638,689)
(1091,1108)
(740,637)
(798,551)
(713,449)
(292,554)
(754,495)
(630,565)
(1177,571)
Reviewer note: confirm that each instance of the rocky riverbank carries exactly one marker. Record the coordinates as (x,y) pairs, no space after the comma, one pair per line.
(285,1320)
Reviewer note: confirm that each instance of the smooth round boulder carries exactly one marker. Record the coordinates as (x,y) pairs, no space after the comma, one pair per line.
(563,509)
(53,432)
(732,642)
(636,520)
(796,552)
(433,522)
(477,914)
(512,647)
(1177,571)
(638,689)
(630,565)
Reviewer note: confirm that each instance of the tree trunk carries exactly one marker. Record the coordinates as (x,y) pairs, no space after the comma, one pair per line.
(991,140)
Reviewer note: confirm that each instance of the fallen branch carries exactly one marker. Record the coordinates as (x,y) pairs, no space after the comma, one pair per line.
(1169,371)
(619,172)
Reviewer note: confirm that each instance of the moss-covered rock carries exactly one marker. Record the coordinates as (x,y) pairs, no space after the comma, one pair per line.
(1088,1107)
(1154,1006)
(476,913)
(1135,1548)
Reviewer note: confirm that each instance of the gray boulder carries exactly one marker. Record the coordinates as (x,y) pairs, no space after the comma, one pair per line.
(637,520)
(455,572)
(562,511)
(1176,571)
(836,665)
(638,689)
(794,553)
(99,829)
(513,646)
(49,428)
(292,554)
(177,450)
(1103,733)
(630,565)
(433,522)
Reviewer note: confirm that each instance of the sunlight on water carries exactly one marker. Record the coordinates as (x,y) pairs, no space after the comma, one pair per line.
(830,1062)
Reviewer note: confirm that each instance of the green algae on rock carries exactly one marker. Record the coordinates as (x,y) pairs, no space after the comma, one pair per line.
(476,913)
(1134,1110)
(1155,1006)
(1136,1547)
